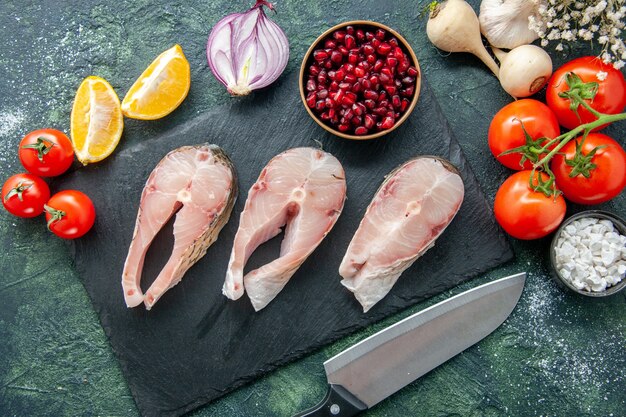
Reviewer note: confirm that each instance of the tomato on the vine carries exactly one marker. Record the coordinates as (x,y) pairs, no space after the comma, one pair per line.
(24,195)
(70,214)
(46,152)
(600,85)
(525,213)
(506,132)
(599,169)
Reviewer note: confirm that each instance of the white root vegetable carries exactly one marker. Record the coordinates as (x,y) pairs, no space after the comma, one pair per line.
(505,22)
(524,70)
(453,27)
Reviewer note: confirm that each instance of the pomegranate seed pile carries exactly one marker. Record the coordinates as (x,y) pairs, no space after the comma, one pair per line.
(361,82)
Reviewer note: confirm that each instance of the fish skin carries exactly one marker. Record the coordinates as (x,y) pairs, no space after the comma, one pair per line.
(368,270)
(199,218)
(302,188)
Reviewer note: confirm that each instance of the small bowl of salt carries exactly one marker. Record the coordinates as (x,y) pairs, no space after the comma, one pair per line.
(588,253)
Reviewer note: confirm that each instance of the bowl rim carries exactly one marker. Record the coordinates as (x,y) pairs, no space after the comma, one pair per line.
(619,224)
(407,46)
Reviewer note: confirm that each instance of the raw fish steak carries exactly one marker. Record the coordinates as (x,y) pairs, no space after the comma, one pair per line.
(412,207)
(302,188)
(199,184)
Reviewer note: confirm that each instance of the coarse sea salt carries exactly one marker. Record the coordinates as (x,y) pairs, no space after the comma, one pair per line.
(590,254)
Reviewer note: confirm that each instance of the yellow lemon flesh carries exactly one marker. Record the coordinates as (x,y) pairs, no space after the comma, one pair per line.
(161,88)
(96,121)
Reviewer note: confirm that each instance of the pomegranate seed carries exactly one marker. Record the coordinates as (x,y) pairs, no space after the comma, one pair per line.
(360,131)
(360,35)
(369,121)
(349,41)
(404,105)
(350,78)
(348,113)
(397,53)
(381,111)
(334,86)
(339,35)
(403,65)
(331,113)
(330,44)
(378,65)
(338,96)
(325,115)
(331,75)
(310,85)
(370,94)
(387,123)
(387,71)
(376,43)
(328,64)
(358,109)
(356,87)
(382,96)
(366,84)
(344,50)
(384,78)
(320,55)
(359,72)
(330,103)
(349,68)
(343,127)
(412,72)
(320,105)
(374,80)
(380,34)
(371,59)
(391,61)
(370,104)
(322,93)
(353,57)
(314,70)
(356,120)
(408,80)
(369,36)
(349,99)
(383,103)
(408,92)
(339,74)
(310,100)
(350,30)
(393,42)
(395,100)
(391,89)
(336,57)
(344,85)
(384,48)
(368,49)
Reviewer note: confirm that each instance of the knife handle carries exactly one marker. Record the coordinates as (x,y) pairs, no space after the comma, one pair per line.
(338,402)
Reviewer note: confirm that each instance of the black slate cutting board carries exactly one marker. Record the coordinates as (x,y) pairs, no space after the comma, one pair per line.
(194,345)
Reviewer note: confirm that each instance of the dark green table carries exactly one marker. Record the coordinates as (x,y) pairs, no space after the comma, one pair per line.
(558,354)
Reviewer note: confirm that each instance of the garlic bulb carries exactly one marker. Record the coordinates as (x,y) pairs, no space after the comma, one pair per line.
(524,70)
(505,22)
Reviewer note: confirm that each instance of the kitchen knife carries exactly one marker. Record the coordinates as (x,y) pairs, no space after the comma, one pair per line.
(373,369)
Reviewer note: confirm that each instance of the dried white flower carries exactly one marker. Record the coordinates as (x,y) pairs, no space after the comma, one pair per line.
(601,75)
(589,20)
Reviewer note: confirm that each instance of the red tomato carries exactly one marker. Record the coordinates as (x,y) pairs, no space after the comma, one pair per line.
(24,195)
(605,181)
(505,130)
(46,152)
(70,214)
(610,97)
(524,213)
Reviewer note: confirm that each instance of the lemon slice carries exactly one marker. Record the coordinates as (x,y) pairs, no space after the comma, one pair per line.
(161,88)
(96,121)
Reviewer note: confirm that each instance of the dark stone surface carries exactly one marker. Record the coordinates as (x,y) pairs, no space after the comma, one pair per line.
(558,354)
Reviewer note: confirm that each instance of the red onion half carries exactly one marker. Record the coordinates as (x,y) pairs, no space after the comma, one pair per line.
(247,51)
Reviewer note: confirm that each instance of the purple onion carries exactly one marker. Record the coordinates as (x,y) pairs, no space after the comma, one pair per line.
(247,51)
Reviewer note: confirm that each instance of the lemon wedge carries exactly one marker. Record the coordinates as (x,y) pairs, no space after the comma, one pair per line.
(161,88)
(96,121)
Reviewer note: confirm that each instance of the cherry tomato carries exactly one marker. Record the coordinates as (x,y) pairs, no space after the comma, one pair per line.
(524,213)
(46,152)
(70,214)
(610,97)
(24,195)
(505,130)
(605,181)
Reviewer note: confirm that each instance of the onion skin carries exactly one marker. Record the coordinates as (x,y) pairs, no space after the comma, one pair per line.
(247,51)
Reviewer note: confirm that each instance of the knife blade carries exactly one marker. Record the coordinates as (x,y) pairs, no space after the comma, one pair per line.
(378,366)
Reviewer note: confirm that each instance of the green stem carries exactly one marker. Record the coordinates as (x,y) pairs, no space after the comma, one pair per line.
(586,105)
